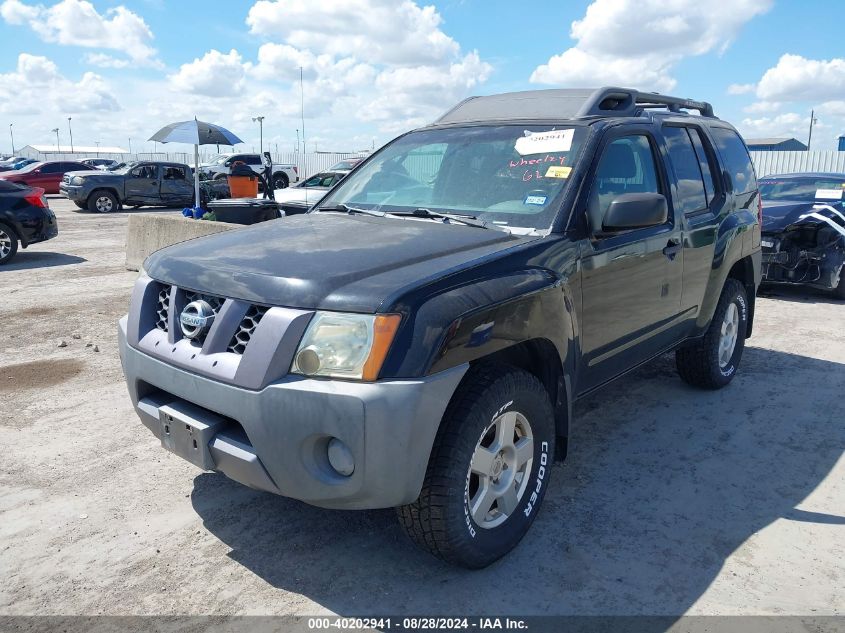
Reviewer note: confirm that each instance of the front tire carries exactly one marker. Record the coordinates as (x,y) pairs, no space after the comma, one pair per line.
(712,361)
(8,243)
(102,201)
(488,471)
(839,291)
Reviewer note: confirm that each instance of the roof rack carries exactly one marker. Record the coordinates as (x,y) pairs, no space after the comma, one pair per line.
(567,104)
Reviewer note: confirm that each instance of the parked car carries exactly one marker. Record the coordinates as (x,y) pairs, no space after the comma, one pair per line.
(137,184)
(219,165)
(804,230)
(46,175)
(301,197)
(418,339)
(100,163)
(25,218)
(347,164)
(17,164)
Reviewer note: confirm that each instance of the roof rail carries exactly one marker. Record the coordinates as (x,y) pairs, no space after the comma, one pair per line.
(625,101)
(557,104)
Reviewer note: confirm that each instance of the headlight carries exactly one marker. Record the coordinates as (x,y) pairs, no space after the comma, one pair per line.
(345,345)
(76,180)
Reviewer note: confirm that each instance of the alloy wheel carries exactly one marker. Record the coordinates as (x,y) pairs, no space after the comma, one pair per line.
(500,468)
(729,331)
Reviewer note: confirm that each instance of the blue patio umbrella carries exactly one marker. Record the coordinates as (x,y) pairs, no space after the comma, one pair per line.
(195,133)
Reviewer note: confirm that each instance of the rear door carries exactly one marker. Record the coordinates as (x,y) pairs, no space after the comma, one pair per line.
(142,184)
(701,199)
(631,280)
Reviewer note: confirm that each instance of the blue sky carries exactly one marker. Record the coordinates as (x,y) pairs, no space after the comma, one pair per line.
(377,67)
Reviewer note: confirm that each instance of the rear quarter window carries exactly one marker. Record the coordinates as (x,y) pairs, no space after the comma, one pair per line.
(736,159)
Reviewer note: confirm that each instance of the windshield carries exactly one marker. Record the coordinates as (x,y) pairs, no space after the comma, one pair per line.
(123,168)
(802,189)
(511,175)
(218,159)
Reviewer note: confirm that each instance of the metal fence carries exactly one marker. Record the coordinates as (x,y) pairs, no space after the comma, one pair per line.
(767,163)
(307,163)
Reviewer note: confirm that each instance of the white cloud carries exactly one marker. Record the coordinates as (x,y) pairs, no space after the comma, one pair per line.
(638,43)
(105,61)
(77,23)
(760,107)
(374,31)
(39,87)
(783,125)
(375,61)
(741,89)
(215,74)
(796,78)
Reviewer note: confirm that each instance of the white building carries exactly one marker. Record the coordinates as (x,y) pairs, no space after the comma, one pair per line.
(63,152)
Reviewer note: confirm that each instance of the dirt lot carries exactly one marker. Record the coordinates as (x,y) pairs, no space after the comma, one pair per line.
(673,501)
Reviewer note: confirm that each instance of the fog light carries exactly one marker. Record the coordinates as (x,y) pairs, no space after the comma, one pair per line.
(308,361)
(340,457)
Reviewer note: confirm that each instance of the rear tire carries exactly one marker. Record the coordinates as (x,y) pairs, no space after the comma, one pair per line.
(102,201)
(280,181)
(488,471)
(81,205)
(711,362)
(8,243)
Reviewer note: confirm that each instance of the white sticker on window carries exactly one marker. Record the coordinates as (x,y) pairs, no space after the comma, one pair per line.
(535,200)
(829,194)
(543,142)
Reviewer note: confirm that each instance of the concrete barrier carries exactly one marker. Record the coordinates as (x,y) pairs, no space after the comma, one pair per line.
(148,233)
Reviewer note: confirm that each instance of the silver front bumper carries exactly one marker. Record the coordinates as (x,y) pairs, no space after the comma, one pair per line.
(275,438)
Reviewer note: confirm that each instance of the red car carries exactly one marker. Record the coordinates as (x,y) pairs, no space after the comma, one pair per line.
(46,175)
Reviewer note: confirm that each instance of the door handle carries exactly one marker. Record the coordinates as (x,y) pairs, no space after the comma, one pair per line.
(672,248)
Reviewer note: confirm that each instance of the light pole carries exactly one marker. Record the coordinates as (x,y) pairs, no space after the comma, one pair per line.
(260,120)
(297,140)
(70,130)
(130,145)
(813,120)
(58,145)
(12,134)
(98,148)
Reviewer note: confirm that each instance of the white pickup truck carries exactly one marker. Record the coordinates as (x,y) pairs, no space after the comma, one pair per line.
(218,167)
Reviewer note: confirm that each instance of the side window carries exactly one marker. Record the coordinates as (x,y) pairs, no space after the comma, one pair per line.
(704,162)
(691,194)
(737,160)
(626,166)
(253,159)
(174,173)
(51,168)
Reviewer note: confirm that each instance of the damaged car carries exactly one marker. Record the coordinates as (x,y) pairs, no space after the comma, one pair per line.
(804,230)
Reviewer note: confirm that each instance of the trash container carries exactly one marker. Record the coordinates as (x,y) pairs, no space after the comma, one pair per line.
(243,182)
(245,210)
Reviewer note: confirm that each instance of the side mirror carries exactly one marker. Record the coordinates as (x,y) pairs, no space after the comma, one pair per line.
(635,211)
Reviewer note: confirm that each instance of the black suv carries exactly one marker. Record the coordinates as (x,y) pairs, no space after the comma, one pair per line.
(418,339)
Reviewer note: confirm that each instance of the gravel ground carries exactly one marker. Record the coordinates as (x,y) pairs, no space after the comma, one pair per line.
(672,501)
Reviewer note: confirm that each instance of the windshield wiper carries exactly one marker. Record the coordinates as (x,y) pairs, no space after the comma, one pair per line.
(469,220)
(345,208)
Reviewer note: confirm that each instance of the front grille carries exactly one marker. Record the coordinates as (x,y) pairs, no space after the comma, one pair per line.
(247,326)
(163,307)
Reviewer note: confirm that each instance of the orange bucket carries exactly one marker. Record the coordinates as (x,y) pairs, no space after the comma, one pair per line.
(243,186)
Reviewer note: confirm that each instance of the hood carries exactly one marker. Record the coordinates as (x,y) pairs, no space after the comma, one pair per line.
(91,172)
(777,216)
(305,195)
(326,261)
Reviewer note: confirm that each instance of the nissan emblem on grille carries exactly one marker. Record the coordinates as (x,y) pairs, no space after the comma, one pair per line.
(196,319)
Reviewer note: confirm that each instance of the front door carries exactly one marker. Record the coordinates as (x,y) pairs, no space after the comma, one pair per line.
(631,280)
(142,184)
